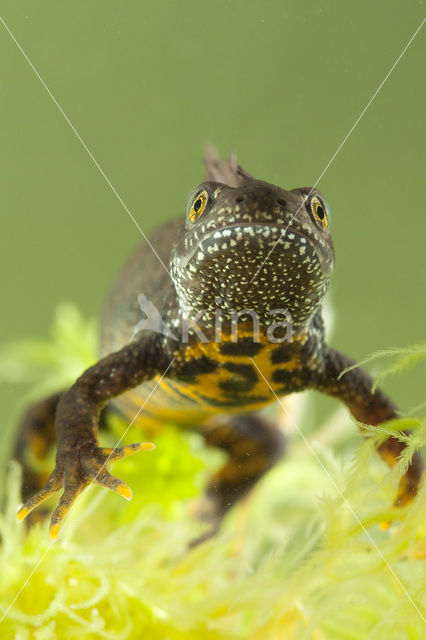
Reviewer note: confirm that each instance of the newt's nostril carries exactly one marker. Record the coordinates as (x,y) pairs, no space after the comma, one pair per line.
(281,202)
(239,199)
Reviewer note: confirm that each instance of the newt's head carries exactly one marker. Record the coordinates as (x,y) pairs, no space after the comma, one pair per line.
(253,245)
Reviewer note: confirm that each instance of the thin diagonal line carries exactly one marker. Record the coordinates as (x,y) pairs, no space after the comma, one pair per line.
(26,581)
(345,500)
(79,138)
(80,496)
(355,124)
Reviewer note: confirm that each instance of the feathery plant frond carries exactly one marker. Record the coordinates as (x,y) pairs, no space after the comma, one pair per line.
(401,359)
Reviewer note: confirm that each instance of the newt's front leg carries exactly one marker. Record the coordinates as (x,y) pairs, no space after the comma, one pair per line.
(354,389)
(79,459)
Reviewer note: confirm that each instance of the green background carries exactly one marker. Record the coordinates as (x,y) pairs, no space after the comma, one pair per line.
(147,85)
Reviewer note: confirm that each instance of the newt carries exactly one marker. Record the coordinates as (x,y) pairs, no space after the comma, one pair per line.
(245,250)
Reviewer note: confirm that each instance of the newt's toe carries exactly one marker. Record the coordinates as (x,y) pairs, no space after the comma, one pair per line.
(54,530)
(105,479)
(53,484)
(128,450)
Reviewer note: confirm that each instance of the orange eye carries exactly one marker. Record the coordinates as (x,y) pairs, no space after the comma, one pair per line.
(199,205)
(319,212)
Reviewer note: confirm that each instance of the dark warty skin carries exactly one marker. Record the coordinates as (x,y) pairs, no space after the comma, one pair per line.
(243,244)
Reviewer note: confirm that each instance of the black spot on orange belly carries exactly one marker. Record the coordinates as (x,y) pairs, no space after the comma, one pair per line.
(243,379)
(190,369)
(244,347)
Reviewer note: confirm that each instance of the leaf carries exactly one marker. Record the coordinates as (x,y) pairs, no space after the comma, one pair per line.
(401,358)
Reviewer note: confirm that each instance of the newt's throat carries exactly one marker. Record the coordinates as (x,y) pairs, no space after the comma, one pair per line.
(243,271)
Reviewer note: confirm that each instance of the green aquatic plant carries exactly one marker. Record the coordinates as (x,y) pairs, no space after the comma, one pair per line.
(316,551)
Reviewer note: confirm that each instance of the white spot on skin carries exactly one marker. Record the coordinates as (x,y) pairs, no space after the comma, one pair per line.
(284,277)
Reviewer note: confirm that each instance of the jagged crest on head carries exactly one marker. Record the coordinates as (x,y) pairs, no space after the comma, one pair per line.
(227,171)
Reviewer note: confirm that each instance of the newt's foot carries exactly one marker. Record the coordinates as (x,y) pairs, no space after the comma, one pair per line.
(407,491)
(87,465)
(409,483)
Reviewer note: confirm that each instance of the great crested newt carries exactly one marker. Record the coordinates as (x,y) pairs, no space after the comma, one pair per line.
(248,262)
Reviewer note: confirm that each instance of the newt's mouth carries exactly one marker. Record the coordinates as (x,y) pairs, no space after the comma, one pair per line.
(265,237)
(279,229)
(239,240)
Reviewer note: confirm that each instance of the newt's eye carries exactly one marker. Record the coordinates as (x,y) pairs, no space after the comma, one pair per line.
(319,212)
(198,205)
